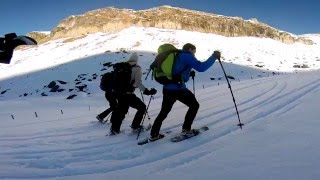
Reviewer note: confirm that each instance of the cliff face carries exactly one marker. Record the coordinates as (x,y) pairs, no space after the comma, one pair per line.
(112,19)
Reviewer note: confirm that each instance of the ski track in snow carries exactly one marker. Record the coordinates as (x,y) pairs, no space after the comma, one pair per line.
(81,146)
(293,95)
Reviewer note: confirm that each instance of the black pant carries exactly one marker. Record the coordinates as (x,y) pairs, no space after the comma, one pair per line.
(124,102)
(169,98)
(112,105)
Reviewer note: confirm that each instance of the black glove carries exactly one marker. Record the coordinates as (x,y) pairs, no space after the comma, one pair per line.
(148,92)
(192,74)
(217,54)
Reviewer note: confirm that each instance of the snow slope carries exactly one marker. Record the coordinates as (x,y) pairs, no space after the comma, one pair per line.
(64,141)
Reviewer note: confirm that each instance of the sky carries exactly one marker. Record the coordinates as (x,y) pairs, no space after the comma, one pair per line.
(24,16)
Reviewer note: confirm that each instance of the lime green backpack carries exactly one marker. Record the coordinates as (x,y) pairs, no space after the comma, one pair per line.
(162,67)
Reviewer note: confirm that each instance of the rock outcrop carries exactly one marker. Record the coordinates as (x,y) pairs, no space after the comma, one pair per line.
(113,19)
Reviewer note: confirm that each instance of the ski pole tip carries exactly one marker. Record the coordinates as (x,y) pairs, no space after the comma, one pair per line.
(240,125)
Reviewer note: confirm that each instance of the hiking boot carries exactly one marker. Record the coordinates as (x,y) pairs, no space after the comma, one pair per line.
(113,132)
(135,130)
(143,128)
(157,137)
(99,119)
(189,132)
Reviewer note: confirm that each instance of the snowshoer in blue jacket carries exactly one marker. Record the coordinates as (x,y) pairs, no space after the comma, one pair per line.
(186,61)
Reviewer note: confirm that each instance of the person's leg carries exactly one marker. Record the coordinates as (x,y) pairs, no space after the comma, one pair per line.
(136,103)
(112,101)
(119,113)
(188,98)
(112,105)
(168,100)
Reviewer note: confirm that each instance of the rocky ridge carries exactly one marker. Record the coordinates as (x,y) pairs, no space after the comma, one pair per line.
(113,19)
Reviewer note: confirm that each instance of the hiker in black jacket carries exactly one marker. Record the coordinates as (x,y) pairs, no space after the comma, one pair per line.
(129,99)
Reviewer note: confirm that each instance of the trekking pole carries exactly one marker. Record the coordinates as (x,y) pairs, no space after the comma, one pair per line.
(194,91)
(148,74)
(144,116)
(192,74)
(234,101)
(144,103)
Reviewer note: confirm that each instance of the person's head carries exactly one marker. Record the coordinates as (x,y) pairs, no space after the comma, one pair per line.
(133,58)
(189,47)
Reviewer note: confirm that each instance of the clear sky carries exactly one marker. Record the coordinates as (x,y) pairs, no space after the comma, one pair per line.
(298,17)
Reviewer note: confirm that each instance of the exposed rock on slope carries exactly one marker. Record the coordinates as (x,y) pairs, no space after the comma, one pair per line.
(113,19)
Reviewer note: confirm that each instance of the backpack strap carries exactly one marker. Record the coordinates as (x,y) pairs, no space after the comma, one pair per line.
(177,77)
(175,59)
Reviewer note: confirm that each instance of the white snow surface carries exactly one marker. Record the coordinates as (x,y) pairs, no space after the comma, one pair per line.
(278,107)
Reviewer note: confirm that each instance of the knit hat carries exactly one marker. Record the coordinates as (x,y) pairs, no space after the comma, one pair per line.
(133,58)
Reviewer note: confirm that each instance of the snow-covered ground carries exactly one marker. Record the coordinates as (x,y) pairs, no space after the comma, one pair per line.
(52,137)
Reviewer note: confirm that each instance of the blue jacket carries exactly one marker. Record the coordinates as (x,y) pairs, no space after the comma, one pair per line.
(185,58)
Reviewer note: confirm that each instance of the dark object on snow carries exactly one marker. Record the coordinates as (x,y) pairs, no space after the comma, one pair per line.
(301,66)
(9,43)
(81,87)
(4,91)
(62,82)
(108,64)
(80,75)
(55,88)
(230,77)
(71,96)
(60,90)
(94,75)
(52,84)
(44,94)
